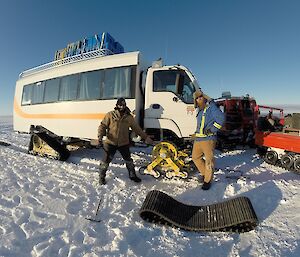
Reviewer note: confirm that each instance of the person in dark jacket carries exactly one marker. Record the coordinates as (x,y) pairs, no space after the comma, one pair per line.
(210,120)
(266,123)
(115,126)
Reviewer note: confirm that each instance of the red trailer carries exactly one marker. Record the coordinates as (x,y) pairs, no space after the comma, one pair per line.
(279,148)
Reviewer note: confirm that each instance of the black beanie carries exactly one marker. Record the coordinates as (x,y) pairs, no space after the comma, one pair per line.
(121,100)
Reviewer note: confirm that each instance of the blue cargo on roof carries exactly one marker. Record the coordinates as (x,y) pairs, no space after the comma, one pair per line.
(88,44)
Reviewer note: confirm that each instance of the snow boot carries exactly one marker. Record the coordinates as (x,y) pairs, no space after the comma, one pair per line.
(206,185)
(102,172)
(131,171)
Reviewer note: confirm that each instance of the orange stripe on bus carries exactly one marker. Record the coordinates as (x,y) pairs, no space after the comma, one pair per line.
(86,116)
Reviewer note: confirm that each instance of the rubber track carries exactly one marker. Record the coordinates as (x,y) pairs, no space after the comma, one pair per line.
(54,144)
(235,215)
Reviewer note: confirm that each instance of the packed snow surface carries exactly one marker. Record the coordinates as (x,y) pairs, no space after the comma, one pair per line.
(45,203)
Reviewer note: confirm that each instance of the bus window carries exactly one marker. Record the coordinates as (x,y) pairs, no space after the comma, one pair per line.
(89,88)
(51,90)
(166,81)
(38,93)
(188,90)
(68,88)
(27,95)
(118,82)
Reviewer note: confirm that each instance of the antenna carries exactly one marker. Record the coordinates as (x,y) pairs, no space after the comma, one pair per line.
(166,46)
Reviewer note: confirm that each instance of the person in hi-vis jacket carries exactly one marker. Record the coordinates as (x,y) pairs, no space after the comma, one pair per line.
(210,120)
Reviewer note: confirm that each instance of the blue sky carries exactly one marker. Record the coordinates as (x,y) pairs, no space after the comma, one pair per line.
(242,46)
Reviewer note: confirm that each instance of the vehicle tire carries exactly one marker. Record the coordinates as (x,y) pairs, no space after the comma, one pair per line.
(297,165)
(287,161)
(271,157)
(261,150)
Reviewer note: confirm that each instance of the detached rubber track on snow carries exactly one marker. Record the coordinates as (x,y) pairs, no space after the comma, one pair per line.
(235,215)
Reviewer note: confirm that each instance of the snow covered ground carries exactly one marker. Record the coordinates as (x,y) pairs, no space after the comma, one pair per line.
(44,204)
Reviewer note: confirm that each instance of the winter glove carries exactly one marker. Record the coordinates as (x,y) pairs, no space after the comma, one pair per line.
(149,140)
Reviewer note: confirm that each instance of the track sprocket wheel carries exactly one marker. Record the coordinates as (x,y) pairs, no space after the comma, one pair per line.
(41,148)
(164,150)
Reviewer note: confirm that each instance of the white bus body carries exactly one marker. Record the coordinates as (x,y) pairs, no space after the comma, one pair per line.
(71,97)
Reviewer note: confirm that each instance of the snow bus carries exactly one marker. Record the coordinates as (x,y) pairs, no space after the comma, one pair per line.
(63,102)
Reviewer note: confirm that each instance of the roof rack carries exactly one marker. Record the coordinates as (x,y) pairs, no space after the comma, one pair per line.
(68,60)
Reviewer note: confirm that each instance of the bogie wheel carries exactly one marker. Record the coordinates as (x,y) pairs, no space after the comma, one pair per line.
(297,165)
(41,148)
(287,161)
(261,150)
(271,157)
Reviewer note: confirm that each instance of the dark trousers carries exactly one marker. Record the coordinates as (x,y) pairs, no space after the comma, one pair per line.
(109,153)
(110,150)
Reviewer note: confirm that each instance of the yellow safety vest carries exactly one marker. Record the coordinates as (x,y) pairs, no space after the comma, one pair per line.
(215,124)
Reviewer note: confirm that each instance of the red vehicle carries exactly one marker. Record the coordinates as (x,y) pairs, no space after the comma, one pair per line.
(278,145)
(279,148)
(241,114)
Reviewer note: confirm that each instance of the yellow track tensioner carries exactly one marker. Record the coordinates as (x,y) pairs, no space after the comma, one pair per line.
(166,158)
